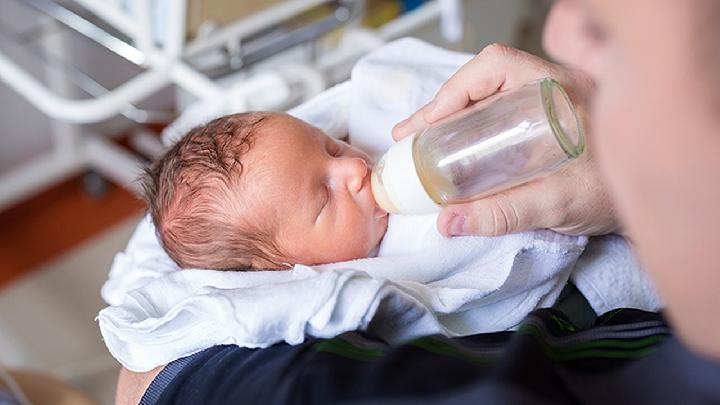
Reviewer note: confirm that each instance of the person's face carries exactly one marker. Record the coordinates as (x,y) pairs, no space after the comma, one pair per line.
(654,129)
(316,190)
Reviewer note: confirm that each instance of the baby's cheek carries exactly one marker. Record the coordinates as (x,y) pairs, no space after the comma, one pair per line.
(356,243)
(355,234)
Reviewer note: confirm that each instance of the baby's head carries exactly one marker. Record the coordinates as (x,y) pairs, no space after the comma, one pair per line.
(260,191)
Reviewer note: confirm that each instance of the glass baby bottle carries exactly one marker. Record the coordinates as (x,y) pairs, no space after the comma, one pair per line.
(500,142)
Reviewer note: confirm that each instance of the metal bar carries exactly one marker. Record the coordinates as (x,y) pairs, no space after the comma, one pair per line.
(88,29)
(112,14)
(152,80)
(81,111)
(65,135)
(90,86)
(254,51)
(147,143)
(196,83)
(112,161)
(175,35)
(102,155)
(144,40)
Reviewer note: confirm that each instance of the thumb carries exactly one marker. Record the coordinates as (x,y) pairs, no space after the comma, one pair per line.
(516,210)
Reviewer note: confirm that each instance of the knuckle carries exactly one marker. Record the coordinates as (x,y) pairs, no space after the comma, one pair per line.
(500,217)
(559,211)
(496,49)
(509,213)
(418,121)
(447,88)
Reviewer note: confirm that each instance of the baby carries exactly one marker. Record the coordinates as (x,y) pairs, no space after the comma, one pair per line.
(260,190)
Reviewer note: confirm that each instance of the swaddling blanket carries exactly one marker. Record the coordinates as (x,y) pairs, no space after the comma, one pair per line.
(420,283)
(454,286)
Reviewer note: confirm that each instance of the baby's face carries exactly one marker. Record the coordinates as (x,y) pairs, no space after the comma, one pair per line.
(316,190)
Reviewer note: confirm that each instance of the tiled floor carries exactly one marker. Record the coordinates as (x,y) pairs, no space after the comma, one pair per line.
(47,318)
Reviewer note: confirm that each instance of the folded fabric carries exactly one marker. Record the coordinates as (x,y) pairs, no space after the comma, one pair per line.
(609,277)
(420,283)
(454,287)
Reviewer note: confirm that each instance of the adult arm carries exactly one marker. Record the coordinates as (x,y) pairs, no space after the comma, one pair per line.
(131,385)
(546,361)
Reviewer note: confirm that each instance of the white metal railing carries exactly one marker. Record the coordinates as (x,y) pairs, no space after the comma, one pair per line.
(164,65)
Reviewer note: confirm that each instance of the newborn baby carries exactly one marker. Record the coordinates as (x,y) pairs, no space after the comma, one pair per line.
(260,190)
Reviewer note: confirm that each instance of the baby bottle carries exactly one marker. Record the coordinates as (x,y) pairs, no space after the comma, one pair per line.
(500,142)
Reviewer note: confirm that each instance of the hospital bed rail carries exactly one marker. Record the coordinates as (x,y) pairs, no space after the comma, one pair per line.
(164,55)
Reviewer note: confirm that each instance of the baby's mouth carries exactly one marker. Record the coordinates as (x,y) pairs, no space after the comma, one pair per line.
(378,212)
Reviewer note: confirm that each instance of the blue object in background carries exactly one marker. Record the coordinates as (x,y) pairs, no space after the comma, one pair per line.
(409,5)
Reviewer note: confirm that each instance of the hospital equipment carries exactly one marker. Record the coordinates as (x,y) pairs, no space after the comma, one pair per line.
(500,142)
(155,36)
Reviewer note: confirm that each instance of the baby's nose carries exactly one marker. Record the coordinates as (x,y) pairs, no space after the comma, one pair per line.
(354,170)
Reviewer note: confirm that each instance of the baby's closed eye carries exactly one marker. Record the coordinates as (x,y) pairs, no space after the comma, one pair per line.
(334,149)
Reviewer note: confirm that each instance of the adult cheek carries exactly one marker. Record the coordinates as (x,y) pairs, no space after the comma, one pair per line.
(560,34)
(610,144)
(566,41)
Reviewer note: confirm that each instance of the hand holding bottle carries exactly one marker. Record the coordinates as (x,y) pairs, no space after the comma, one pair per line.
(572,200)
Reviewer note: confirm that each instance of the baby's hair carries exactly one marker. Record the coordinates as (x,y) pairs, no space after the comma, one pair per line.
(191,193)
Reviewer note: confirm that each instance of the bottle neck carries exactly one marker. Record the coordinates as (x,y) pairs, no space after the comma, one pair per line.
(399,188)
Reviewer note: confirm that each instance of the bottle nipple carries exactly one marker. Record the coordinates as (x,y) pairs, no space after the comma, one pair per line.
(396,185)
(378,189)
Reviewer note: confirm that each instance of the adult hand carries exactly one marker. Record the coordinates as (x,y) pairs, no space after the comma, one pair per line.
(573,200)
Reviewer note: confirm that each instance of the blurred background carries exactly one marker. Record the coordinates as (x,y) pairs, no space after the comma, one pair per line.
(75,130)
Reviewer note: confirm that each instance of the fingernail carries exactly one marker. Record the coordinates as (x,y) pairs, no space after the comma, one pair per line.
(457,226)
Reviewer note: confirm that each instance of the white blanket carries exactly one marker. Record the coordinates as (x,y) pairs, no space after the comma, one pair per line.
(421,283)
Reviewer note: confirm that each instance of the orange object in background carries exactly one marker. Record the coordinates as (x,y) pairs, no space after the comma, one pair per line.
(55,221)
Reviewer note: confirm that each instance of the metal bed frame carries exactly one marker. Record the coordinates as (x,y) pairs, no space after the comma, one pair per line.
(167,58)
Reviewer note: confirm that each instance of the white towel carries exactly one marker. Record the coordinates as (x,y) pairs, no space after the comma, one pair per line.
(609,277)
(454,286)
(421,283)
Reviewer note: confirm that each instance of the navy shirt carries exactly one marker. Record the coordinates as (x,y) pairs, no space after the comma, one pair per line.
(625,356)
